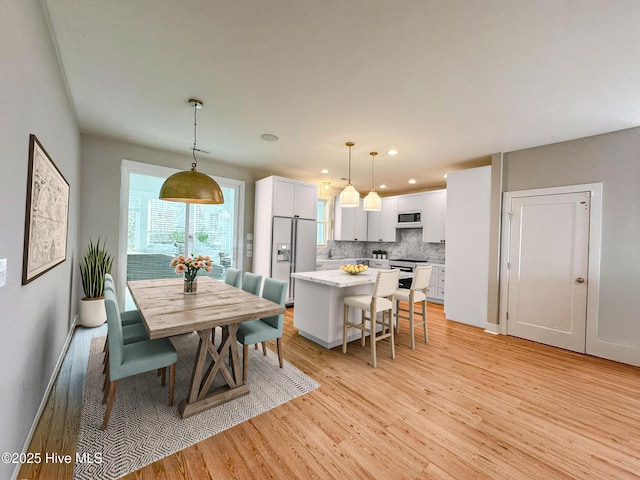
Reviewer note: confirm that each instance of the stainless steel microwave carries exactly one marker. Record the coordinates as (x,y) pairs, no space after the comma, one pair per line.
(408,219)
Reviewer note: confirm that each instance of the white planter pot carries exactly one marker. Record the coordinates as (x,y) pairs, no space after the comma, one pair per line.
(92,312)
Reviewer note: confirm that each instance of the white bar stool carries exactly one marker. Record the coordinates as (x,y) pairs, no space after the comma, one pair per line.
(381,300)
(417,293)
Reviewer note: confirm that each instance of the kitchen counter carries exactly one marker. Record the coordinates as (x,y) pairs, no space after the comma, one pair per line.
(319,305)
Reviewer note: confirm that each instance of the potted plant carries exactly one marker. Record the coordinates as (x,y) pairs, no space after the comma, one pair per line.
(94,265)
(375,254)
(383,254)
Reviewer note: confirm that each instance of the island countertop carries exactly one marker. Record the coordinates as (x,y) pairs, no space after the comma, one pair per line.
(340,279)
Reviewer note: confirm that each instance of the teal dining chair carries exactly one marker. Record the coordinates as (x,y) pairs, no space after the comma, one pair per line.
(251,283)
(259,331)
(133,330)
(133,359)
(233,277)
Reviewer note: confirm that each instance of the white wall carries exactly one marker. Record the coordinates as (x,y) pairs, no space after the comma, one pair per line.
(467,246)
(34,318)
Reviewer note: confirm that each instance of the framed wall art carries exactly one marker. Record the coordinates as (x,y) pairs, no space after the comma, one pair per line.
(47,215)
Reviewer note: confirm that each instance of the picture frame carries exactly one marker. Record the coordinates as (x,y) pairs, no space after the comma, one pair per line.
(47,214)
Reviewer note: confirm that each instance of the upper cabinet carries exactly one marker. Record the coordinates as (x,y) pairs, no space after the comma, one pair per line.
(350,223)
(381,226)
(410,203)
(434,209)
(293,198)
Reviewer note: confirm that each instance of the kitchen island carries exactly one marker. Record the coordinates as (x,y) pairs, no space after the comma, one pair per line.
(319,303)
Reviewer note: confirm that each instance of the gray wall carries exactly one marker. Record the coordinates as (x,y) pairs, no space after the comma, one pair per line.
(35,317)
(614,160)
(101,162)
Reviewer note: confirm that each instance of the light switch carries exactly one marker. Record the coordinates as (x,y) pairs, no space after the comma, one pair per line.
(3,272)
(249,236)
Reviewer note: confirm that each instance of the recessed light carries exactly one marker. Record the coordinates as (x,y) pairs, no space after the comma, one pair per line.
(412,181)
(392,152)
(326,185)
(382,186)
(269,137)
(324,171)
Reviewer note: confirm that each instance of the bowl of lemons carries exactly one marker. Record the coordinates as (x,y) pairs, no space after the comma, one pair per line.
(354,269)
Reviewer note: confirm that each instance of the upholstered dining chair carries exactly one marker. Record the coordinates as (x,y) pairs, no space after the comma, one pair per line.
(416,293)
(133,329)
(251,282)
(381,300)
(259,331)
(133,359)
(233,277)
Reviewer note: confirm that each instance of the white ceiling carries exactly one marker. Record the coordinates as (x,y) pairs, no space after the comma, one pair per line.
(446,83)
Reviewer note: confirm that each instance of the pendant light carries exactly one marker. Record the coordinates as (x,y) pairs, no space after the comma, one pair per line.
(349,197)
(192,186)
(372,202)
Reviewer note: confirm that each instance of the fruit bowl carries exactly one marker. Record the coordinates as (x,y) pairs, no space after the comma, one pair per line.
(354,269)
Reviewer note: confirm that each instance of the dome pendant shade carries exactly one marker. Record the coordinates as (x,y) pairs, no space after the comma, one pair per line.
(349,197)
(372,202)
(191,187)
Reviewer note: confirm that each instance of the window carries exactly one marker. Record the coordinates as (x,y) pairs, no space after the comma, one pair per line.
(324,220)
(154,231)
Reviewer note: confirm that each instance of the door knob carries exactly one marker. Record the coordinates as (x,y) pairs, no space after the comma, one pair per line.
(580,280)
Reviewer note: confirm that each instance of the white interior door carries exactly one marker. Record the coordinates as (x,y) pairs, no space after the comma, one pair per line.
(548,258)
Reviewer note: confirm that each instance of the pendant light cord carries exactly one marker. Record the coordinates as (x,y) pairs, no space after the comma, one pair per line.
(195,125)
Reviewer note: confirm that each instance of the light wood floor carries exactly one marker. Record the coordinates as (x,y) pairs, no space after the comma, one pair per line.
(467,405)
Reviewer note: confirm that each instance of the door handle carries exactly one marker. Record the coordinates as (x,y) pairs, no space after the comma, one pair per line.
(580,280)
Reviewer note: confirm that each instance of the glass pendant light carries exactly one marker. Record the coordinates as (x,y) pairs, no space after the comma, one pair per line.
(349,197)
(373,202)
(192,186)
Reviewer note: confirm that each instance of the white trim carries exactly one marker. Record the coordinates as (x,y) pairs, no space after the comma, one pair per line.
(595,231)
(47,392)
(493,329)
(127,167)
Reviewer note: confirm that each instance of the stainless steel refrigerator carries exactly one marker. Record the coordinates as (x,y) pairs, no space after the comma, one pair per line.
(293,249)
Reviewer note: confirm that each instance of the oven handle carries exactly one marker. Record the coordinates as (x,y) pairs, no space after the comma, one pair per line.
(402,269)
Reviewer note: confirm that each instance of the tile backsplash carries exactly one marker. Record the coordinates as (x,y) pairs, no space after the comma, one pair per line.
(409,245)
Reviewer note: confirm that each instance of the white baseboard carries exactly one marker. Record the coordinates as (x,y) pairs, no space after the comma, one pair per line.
(47,392)
(492,328)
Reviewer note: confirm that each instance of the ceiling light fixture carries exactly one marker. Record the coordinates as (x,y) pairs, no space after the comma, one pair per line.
(324,171)
(269,137)
(326,185)
(349,197)
(192,186)
(372,202)
(412,181)
(382,185)
(392,152)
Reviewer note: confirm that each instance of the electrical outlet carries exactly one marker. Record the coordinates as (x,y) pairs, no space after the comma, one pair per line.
(3,272)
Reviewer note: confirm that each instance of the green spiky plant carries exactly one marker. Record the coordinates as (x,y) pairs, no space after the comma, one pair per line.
(96,263)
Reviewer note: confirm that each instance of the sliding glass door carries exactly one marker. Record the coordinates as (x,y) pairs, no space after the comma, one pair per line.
(153,231)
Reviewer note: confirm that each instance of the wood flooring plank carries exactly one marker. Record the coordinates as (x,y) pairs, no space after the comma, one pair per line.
(466,405)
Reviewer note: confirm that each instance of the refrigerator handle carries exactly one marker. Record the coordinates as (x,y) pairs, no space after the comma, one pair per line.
(294,252)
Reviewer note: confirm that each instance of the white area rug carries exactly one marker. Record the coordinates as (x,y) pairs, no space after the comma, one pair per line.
(143,428)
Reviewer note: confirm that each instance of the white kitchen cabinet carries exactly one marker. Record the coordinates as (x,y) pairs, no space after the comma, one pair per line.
(410,203)
(293,198)
(433,217)
(350,223)
(383,264)
(435,293)
(381,226)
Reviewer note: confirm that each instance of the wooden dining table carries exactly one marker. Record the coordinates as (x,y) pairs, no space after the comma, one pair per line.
(166,312)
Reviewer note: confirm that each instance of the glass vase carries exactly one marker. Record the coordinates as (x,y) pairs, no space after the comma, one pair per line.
(190,286)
